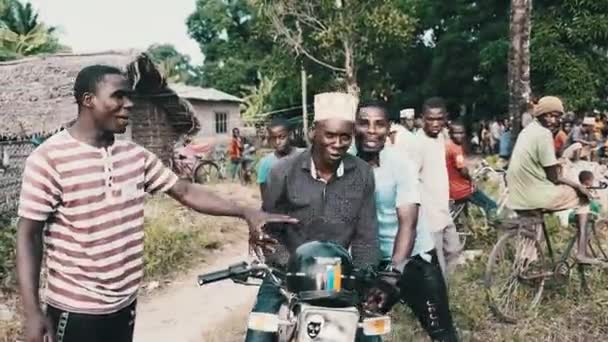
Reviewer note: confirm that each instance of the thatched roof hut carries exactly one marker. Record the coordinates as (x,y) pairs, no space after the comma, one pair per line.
(36,98)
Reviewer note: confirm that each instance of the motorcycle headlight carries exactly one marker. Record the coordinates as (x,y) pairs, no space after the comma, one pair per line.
(376,326)
(266,322)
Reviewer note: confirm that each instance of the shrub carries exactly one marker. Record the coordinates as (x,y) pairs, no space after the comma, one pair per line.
(175,237)
(8,240)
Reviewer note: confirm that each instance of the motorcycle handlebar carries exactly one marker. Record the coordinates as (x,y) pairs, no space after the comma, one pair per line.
(232,271)
(240,271)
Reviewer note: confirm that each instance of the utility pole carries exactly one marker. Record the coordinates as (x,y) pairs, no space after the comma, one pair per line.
(304,106)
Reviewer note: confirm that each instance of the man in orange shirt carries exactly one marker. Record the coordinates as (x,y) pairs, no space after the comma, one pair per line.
(236,151)
(559,139)
(461,183)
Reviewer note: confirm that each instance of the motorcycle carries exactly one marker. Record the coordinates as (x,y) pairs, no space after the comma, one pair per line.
(323,296)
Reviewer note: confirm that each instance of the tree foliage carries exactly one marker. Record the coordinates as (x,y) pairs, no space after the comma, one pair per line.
(454,49)
(257,100)
(174,65)
(237,46)
(23,34)
(341,36)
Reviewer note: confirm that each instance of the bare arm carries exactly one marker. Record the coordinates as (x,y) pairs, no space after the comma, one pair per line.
(29,258)
(262,189)
(464,172)
(553,174)
(406,235)
(200,199)
(195,196)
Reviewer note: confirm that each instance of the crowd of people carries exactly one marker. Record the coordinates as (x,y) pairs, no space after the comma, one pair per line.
(575,137)
(381,190)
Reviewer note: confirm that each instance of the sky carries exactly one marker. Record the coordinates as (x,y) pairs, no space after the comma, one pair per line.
(98,25)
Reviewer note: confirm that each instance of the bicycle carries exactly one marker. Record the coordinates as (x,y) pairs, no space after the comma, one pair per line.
(199,168)
(518,268)
(247,166)
(469,222)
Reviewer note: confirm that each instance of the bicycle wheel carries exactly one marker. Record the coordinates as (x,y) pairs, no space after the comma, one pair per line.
(598,242)
(457,212)
(478,219)
(512,289)
(206,172)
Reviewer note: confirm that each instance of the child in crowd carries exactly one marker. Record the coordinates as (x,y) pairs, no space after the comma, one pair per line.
(587,178)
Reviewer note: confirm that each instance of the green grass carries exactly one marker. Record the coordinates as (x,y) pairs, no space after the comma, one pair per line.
(176,238)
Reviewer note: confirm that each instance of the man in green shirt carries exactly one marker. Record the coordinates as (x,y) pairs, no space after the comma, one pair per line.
(534,178)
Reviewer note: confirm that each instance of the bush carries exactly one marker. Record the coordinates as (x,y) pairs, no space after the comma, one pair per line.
(175,237)
(8,241)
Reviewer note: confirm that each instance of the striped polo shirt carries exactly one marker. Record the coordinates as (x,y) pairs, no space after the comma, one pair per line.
(93,202)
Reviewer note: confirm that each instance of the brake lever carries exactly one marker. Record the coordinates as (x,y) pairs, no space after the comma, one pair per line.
(601,186)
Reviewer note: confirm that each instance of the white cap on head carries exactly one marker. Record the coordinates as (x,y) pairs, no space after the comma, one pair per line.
(407,113)
(589,120)
(341,106)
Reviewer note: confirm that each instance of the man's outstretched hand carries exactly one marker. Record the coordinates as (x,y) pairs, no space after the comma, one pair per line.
(257,219)
(384,294)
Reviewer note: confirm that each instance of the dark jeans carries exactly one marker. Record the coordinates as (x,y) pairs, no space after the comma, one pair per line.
(269,300)
(73,327)
(423,289)
(482,200)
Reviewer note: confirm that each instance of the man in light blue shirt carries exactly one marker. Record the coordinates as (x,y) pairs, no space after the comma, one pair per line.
(407,246)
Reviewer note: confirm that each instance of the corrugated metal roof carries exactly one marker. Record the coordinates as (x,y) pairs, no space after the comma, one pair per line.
(203,94)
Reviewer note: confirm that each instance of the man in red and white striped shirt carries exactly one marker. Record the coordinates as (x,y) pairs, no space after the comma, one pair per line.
(85,191)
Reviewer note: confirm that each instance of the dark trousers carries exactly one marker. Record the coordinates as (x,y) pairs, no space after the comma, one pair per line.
(480,199)
(269,300)
(73,327)
(423,289)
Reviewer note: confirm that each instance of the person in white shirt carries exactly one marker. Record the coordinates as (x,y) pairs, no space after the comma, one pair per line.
(428,153)
(402,134)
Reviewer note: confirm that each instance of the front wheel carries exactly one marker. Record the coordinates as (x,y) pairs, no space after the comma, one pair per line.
(598,240)
(206,172)
(514,278)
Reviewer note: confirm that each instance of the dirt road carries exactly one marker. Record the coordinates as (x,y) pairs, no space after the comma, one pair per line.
(185,312)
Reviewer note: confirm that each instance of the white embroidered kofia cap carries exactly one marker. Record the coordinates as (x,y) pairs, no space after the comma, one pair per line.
(341,106)
(407,113)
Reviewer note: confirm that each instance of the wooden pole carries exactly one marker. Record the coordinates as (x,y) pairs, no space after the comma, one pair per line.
(304,106)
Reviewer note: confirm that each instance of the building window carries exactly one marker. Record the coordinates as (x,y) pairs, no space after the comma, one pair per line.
(221,123)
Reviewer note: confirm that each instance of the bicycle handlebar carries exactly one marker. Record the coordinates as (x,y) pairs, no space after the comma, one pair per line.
(601,186)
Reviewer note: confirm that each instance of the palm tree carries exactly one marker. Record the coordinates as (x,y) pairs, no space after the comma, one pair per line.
(22,34)
(519,60)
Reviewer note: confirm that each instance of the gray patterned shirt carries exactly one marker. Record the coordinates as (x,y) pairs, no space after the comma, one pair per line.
(342,210)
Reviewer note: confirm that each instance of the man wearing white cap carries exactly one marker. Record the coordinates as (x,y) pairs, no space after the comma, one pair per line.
(406,118)
(329,191)
(534,179)
(580,142)
(403,131)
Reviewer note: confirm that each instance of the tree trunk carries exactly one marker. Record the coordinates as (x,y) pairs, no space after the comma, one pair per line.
(352,87)
(519,61)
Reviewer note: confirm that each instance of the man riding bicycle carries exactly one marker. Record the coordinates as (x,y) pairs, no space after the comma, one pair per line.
(534,178)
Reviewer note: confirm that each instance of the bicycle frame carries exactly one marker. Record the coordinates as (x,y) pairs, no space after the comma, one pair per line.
(563,258)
